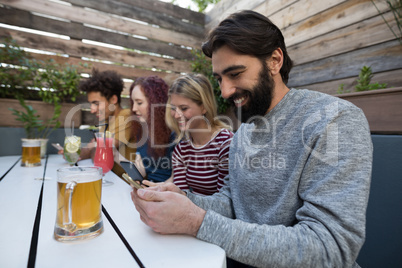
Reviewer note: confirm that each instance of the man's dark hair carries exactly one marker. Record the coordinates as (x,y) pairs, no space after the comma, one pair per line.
(108,83)
(249,33)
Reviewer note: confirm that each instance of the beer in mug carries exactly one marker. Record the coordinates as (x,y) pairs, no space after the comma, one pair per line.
(79,191)
(30,152)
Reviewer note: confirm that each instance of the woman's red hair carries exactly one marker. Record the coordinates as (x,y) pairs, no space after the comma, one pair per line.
(155,90)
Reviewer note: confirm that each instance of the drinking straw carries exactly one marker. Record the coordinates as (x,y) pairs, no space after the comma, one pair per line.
(104,134)
(106,126)
(93,133)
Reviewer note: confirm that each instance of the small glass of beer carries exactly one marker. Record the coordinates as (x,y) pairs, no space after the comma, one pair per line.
(79,191)
(30,153)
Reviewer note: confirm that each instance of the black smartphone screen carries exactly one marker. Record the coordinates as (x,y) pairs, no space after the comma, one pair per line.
(131,170)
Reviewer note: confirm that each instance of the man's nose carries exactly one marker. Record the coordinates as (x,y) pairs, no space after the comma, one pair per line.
(227,89)
(94,108)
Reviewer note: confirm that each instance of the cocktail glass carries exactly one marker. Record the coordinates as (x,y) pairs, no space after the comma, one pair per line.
(72,149)
(104,154)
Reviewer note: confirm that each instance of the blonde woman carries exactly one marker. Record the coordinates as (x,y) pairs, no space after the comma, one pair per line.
(200,159)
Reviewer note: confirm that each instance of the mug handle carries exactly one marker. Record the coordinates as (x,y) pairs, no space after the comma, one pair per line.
(67,211)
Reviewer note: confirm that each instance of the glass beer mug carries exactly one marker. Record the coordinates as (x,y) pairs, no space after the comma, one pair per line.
(30,153)
(79,191)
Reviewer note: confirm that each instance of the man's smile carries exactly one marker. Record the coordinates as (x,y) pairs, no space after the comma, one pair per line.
(240,101)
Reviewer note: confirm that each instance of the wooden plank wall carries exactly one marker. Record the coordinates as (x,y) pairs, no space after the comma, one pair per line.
(329,41)
(148,37)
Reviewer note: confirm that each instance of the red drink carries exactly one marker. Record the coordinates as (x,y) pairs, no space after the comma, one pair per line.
(104,154)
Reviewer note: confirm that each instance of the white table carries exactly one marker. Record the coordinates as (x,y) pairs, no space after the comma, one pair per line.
(28,213)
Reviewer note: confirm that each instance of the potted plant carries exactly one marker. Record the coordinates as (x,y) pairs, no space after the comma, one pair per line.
(380,103)
(25,79)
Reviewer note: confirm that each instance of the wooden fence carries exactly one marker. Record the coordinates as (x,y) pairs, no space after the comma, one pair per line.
(329,41)
(143,37)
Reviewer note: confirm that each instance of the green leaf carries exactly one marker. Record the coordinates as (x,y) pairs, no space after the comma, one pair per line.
(364,80)
(201,64)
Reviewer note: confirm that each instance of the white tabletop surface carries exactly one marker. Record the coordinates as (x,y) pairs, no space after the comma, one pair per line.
(6,163)
(19,196)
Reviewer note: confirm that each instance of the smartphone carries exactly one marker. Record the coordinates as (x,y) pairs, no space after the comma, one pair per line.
(131,171)
(131,181)
(57,146)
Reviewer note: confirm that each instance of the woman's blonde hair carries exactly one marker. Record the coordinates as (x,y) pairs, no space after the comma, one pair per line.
(197,88)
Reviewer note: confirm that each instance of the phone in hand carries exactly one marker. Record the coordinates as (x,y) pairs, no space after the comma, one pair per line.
(132,170)
(57,146)
(130,181)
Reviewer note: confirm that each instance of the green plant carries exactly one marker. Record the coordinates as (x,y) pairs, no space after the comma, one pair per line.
(201,64)
(341,89)
(363,83)
(364,80)
(201,4)
(25,78)
(396,7)
(29,118)
(16,70)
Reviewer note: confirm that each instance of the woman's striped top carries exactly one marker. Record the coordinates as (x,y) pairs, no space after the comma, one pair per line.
(202,169)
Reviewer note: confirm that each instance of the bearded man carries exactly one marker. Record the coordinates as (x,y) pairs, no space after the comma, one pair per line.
(299,165)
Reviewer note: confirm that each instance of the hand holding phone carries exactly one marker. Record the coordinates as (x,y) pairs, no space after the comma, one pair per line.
(57,146)
(131,170)
(132,182)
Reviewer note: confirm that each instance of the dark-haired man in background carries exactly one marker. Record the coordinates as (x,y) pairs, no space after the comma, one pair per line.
(104,96)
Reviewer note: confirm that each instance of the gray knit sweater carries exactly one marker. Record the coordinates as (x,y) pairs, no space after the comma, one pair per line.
(298,186)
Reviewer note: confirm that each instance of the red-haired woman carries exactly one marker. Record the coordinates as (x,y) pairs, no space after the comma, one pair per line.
(154,139)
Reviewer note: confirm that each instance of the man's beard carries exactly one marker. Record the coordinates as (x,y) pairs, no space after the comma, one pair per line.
(259,97)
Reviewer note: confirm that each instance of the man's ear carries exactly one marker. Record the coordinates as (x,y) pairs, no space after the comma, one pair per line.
(113,99)
(275,62)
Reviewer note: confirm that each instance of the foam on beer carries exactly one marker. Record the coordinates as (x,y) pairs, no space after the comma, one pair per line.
(79,178)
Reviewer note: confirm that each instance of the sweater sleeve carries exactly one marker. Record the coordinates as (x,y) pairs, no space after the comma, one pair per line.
(219,202)
(223,165)
(330,224)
